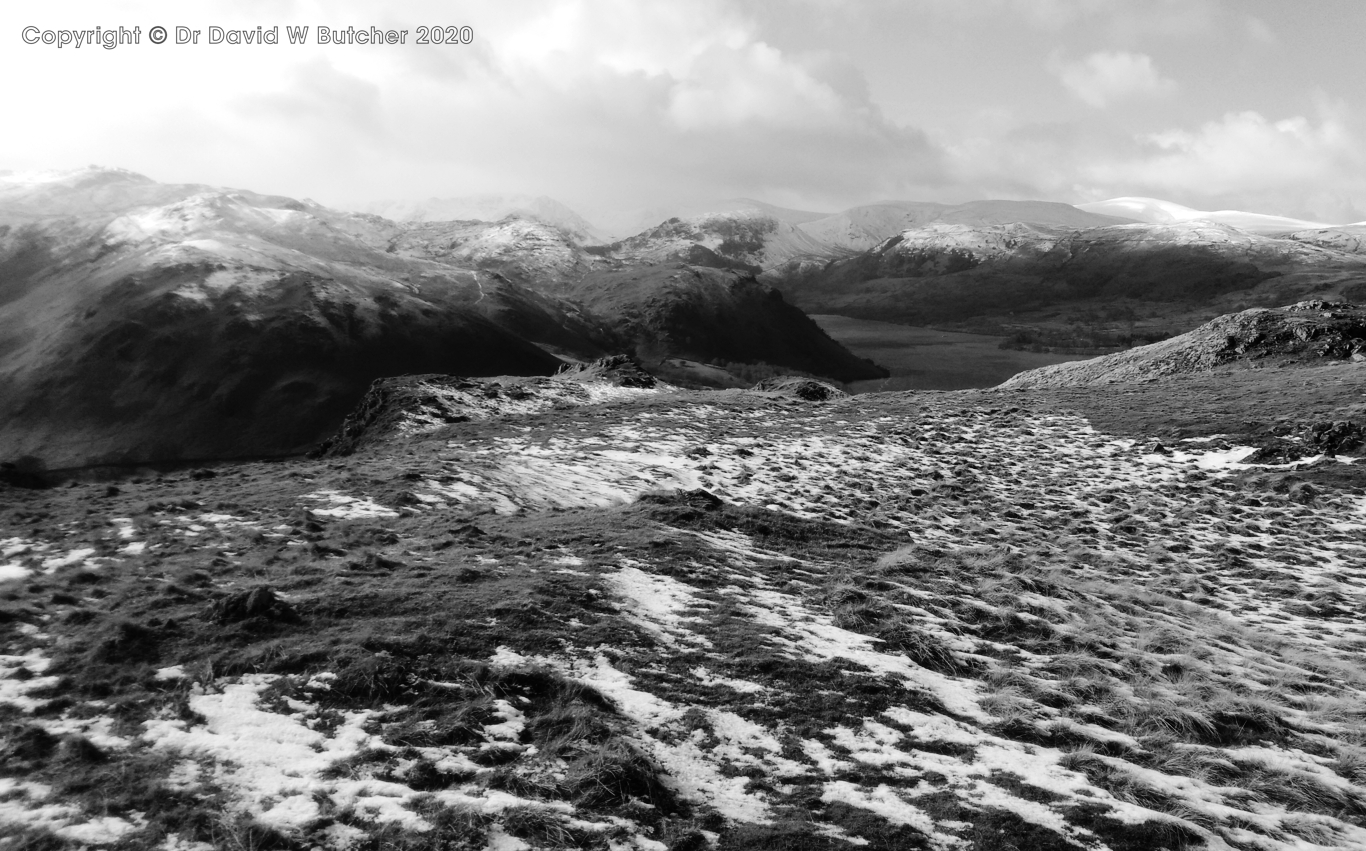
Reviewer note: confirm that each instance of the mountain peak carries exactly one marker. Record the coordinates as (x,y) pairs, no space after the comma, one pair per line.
(489,208)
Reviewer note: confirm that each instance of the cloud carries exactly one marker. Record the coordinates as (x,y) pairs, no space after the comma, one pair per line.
(1241,151)
(1260,32)
(1308,166)
(1106,77)
(606,102)
(614,103)
(1298,165)
(619,102)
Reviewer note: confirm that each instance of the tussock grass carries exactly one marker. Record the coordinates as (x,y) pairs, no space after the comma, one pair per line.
(240,832)
(452,828)
(1108,634)
(1136,650)
(614,775)
(543,829)
(1109,774)
(922,647)
(1350,764)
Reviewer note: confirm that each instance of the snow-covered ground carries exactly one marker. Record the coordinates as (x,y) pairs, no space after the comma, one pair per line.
(1063,634)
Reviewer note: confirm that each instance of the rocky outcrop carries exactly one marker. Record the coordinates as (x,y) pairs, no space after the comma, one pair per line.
(395,408)
(807,389)
(1308,331)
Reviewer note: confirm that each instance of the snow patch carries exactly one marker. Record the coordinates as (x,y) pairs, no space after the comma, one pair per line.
(342,507)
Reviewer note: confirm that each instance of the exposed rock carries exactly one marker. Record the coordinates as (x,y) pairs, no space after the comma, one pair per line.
(618,370)
(1335,438)
(803,388)
(261,602)
(418,403)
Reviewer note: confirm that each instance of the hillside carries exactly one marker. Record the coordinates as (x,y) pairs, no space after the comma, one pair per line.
(673,620)
(865,227)
(149,323)
(1019,275)
(219,325)
(1312,331)
(1053,276)
(1349,238)
(706,314)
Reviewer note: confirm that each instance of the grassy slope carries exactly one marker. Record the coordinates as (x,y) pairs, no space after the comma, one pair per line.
(922,621)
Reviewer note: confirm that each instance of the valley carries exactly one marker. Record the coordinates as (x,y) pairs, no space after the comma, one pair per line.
(930,359)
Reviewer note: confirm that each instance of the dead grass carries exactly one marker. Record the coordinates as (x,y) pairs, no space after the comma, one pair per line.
(1074,639)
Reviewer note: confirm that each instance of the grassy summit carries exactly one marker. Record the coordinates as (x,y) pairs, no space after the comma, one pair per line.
(677,620)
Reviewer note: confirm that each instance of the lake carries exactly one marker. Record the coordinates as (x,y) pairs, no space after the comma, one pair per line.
(928,359)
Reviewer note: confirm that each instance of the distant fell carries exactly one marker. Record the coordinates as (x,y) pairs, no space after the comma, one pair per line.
(1157,211)
(490,208)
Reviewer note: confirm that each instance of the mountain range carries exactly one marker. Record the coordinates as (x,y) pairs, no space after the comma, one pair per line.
(946,273)
(145,322)
(590,611)
(489,208)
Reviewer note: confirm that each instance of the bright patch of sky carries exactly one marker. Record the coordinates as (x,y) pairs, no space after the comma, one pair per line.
(611,104)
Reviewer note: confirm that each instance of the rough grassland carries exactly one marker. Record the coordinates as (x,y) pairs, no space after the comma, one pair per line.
(681,621)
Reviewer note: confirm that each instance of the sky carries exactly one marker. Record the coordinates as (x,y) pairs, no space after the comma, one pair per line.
(611,105)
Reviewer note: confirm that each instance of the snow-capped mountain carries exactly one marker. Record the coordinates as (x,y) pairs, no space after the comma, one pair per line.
(490,208)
